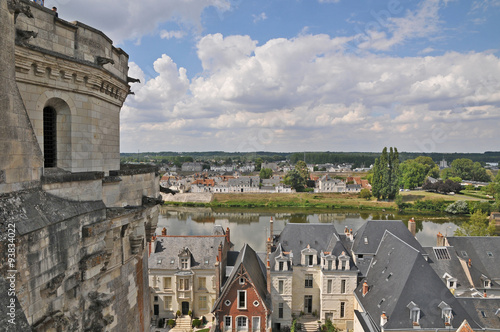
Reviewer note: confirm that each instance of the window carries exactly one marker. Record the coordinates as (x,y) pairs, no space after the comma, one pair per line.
(342,286)
(281,266)
(167,300)
(227,322)
(167,282)
(487,283)
(309,260)
(329,286)
(184,263)
(183,284)
(447,315)
(280,310)
(156,298)
(281,286)
(308,281)
(49,137)
(242,281)
(241,323)
(330,264)
(415,316)
(242,299)
(255,324)
(342,309)
(343,264)
(202,302)
(202,283)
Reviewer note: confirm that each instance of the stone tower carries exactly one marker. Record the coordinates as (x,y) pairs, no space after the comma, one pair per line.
(76,222)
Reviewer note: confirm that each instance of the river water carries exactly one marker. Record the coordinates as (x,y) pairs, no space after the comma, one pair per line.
(252,226)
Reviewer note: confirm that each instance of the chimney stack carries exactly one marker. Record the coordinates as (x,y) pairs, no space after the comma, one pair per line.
(271,227)
(365,288)
(383,320)
(219,253)
(164,232)
(485,295)
(217,277)
(228,235)
(440,240)
(268,274)
(412,226)
(469,263)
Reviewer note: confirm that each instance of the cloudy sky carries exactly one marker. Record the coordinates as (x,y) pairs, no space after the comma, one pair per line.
(305,75)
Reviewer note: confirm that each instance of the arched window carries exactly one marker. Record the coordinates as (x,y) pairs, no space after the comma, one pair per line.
(50,136)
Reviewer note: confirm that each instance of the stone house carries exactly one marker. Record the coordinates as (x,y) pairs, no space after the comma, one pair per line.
(185,272)
(328,185)
(244,303)
(312,273)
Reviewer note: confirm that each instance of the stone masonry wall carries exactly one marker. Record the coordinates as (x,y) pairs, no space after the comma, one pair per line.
(21,161)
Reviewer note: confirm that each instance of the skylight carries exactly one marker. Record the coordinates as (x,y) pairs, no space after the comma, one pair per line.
(464,254)
(489,253)
(442,253)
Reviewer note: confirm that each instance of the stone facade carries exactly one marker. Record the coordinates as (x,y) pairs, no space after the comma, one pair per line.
(81,223)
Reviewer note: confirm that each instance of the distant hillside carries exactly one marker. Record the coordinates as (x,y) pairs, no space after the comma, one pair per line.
(357,158)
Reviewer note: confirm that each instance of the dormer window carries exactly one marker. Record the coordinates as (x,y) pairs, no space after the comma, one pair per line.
(184,263)
(414,313)
(446,313)
(281,266)
(330,264)
(487,283)
(309,260)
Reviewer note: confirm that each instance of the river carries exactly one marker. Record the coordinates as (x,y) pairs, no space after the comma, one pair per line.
(252,225)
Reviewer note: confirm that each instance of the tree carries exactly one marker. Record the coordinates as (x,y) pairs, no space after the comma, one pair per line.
(478,225)
(365,193)
(294,179)
(468,170)
(385,183)
(329,327)
(266,173)
(458,207)
(258,164)
(301,167)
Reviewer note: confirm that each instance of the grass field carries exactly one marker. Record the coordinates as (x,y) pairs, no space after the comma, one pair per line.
(412,196)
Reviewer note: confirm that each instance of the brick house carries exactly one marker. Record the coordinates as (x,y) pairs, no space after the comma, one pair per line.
(245,302)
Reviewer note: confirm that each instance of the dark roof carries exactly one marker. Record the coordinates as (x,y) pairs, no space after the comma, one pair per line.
(399,275)
(365,321)
(484,311)
(484,253)
(204,250)
(373,230)
(449,263)
(248,262)
(321,237)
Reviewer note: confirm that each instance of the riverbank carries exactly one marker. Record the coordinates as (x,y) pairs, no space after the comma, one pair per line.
(305,200)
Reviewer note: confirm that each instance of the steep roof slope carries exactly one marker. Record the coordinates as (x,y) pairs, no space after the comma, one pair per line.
(398,276)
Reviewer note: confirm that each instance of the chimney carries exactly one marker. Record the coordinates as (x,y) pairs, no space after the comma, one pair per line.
(383,320)
(164,232)
(440,240)
(217,277)
(365,288)
(228,235)
(268,270)
(219,253)
(346,230)
(485,295)
(412,226)
(271,224)
(469,263)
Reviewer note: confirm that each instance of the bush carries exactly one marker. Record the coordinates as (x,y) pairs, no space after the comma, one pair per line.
(458,207)
(437,205)
(365,193)
(190,313)
(171,323)
(178,313)
(196,323)
(480,206)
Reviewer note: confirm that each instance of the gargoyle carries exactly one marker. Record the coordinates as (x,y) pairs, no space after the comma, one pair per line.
(16,8)
(101,61)
(133,80)
(22,36)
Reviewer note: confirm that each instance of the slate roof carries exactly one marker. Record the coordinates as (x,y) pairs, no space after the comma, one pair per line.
(374,230)
(321,237)
(484,253)
(451,266)
(204,250)
(248,262)
(399,275)
(484,311)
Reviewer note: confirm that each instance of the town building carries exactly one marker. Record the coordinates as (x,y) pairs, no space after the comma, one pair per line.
(312,275)
(244,303)
(186,273)
(401,292)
